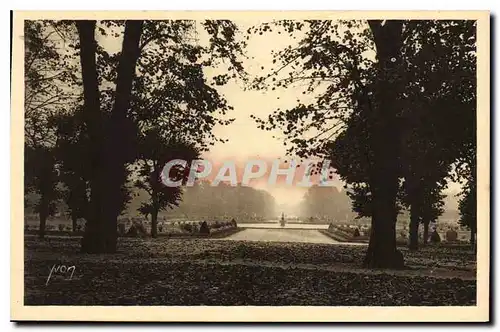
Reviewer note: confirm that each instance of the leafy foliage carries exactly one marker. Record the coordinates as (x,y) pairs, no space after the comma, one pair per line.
(47,82)
(330,60)
(170,95)
(154,152)
(48,78)
(335,61)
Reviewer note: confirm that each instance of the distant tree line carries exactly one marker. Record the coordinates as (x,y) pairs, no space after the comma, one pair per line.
(325,203)
(225,202)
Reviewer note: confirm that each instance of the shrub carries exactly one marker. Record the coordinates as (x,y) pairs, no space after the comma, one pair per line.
(137,230)
(195,228)
(435,238)
(451,235)
(187,227)
(204,228)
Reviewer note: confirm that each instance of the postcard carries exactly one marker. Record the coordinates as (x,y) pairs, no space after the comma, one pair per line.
(250,166)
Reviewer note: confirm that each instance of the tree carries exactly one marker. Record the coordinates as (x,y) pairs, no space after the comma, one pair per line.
(174,107)
(45,78)
(154,152)
(337,59)
(41,175)
(147,46)
(466,172)
(440,63)
(432,207)
(108,154)
(172,92)
(379,102)
(468,211)
(95,229)
(72,152)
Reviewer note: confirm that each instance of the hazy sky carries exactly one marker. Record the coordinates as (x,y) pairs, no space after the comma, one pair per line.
(246,141)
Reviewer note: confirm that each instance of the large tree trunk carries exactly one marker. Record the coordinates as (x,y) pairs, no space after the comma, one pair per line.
(414,221)
(382,251)
(108,151)
(118,146)
(94,239)
(383,244)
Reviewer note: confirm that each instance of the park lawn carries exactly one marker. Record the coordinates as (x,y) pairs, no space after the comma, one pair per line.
(222,272)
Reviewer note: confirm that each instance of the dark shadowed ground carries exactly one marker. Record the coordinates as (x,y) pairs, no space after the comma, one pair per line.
(230,272)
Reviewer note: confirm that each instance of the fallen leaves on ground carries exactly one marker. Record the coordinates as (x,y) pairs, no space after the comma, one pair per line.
(220,272)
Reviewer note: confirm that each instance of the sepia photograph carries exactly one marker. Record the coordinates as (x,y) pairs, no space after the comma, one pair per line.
(250,166)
